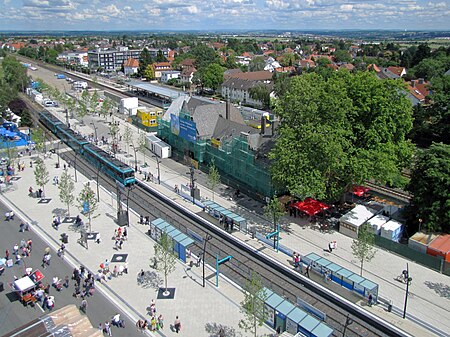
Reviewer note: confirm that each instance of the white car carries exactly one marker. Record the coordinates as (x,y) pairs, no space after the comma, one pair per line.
(50,103)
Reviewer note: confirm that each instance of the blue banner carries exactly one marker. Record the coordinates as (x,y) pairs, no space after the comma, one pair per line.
(184,128)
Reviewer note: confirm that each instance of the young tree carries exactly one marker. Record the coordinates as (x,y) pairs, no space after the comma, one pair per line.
(252,306)
(87,203)
(38,136)
(66,188)
(260,92)
(106,107)
(142,144)
(212,76)
(41,174)
(128,136)
(213,177)
(93,102)
(83,105)
(165,257)
(114,131)
(274,210)
(362,247)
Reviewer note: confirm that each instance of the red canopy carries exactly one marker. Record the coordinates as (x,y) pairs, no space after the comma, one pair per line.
(360,190)
(310,206)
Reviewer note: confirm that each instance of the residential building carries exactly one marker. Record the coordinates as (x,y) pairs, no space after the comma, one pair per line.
(159,67)
(111,59)
(78,57)
(131,66)
(187,75)
(418,91)
(168,75)
(271,64)
(154,52)
(237,87)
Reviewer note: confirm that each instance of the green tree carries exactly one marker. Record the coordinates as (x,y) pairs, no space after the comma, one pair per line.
(429,185)
(145,59)
(83,105)
(41,174)
(128,136)
(252,306)
(274,211)
(338,131)
(212,76)
(38,137)
(114,131)
(287,60)
(342,56)
(165,257)
(363,247)
(14,74)
(213,177)
(142,145)
(160,57)
(257,64)
(106,107)
(260,92)
(93,102)
(149,72)
(87,203)
(66,188)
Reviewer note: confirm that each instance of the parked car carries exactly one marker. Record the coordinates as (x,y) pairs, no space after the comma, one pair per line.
(50,103)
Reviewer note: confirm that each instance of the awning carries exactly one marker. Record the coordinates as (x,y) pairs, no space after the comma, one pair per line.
(360,190)
(310,206)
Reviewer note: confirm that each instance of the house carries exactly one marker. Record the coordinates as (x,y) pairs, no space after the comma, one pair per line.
(158,67)
(111,59)
(347,66)
(187,64)
(16,46)
(78,57)
(373,67)
(385,73)
(399,71)
(237,87)
(229,73)
(131,66)
(306,64)
(418,91)
(187,74)
(168,75)
(271,64)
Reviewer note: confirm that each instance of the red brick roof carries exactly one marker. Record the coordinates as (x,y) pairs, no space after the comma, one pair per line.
(397,70)
(373,66)
(419,89)
(262,75)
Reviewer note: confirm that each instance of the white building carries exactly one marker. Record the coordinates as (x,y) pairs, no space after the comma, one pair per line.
(169,75)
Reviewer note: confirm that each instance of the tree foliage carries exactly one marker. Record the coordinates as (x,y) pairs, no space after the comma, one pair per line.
(363,247)
(66,188)
(338,131)
(252,306)
(87,203)
(83,104)
(14,74)
(430,186)
(38,137)
(213,177)
(260,92)
(41,174)
(149,72)
(212,76)
(164,256)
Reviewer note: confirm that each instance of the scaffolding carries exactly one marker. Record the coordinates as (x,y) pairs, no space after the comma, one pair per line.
(233,158)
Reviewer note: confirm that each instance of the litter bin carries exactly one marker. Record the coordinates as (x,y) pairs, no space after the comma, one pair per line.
(389,307)
(1,287)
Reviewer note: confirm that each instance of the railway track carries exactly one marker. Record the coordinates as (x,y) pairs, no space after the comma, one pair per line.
(277,277)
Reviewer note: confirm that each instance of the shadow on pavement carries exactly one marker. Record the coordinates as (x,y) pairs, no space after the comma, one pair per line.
(219,330)
(443,290)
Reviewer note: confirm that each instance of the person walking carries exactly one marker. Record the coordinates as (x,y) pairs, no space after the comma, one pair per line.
(107,329)
(330,247)
(7,254)
(370,300)
(177,325)
(160,322)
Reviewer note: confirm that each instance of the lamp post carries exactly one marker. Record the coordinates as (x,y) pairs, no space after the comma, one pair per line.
(95,131)
(420,224)
(58,143)
(191,174)
(205,241)
(158,161)
(135,158)
(408,281)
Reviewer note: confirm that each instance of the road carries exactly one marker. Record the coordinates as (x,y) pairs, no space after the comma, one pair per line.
(13,314)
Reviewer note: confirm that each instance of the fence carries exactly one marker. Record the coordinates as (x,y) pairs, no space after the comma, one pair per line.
(429,261)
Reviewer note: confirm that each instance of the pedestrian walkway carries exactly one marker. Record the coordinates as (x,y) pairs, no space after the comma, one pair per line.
(202,311)
(430,293)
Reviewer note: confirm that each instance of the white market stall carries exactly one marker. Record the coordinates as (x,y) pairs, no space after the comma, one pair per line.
(354,219)
(377,222)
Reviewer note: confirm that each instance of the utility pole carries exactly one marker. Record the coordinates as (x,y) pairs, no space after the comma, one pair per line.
(191,173)
(205,241)
(408,281)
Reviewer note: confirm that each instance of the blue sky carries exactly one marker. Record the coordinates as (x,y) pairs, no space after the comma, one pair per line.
(223,14)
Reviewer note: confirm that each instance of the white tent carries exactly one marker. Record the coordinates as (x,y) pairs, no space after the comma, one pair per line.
(352,220)
(377,222)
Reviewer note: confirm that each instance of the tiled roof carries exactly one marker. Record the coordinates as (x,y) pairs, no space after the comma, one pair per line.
(419,89)
(373,66)
(397,70)
(131,63)
(240,84)
(254,75)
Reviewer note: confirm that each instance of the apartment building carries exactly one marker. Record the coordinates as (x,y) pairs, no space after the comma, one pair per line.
(111,59)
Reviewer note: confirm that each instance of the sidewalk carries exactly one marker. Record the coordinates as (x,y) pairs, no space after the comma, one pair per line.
(202,311)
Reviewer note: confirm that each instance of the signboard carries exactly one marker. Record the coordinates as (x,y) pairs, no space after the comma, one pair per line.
(270,318)
(184,128)
(291,327)
(311,309)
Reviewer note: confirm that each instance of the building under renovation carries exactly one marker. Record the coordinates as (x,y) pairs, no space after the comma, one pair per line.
(200,131)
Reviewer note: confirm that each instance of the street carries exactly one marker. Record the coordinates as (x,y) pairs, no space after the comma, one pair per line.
(13,314)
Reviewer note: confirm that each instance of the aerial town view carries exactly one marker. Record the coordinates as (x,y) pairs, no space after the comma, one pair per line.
(226,168)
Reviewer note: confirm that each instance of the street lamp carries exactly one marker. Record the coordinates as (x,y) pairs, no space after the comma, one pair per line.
(420,224)
(95,131)
(205,240)
(58,143)
(408,281)
(158,161)
(191,173)
(135,158)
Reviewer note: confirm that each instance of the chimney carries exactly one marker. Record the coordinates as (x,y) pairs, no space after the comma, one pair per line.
(421,80)
(263,125)
(227,109)
(413,83)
